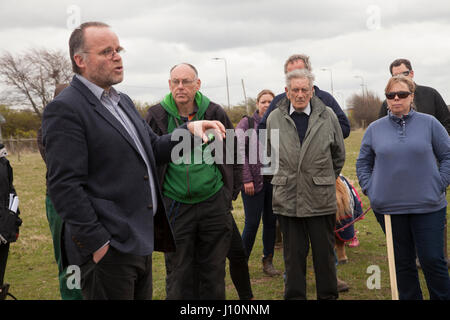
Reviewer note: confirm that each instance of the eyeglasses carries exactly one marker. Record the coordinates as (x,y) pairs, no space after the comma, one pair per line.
(185,82)
(110,53)
(399,94)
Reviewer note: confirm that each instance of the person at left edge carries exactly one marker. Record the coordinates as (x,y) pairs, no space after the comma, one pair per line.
(9,224)
(101,161)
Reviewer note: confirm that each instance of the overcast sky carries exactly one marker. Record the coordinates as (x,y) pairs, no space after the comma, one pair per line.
(350,38)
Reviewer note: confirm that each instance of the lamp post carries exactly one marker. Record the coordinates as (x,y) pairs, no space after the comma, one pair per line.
(362,84)
(344,108)
(331,78)
(226,78)
(365,101)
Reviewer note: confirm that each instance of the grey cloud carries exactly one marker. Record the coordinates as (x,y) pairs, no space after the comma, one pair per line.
(255,36)
(214,25)
(50,13)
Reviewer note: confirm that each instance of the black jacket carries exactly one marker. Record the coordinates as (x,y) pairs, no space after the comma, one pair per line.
(9,222)
(427,100)
(6,182)
(97,179)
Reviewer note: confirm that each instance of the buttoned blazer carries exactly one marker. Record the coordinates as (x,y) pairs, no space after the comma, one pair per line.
(97,179)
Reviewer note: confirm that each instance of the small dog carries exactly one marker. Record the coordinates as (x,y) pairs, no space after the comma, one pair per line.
(343,196)
(349,208)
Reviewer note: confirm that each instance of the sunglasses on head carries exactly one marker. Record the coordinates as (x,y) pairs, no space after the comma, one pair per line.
(400,94)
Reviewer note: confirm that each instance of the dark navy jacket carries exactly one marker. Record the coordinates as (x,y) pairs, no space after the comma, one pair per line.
(326,98)
(98,181)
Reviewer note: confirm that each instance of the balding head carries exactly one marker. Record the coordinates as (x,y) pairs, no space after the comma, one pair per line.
(185,65)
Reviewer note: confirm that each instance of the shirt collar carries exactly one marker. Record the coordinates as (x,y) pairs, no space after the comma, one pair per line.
(403,117)
(307,110)
(98,91)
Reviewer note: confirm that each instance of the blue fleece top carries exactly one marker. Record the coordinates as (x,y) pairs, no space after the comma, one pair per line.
(404,164)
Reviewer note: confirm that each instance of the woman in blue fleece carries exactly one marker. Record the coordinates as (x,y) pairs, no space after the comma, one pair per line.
(404,168)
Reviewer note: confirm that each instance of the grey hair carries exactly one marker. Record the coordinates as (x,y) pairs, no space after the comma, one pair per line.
(300,74)
(296,57)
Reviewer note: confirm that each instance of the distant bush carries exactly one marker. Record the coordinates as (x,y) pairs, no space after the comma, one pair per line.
(235,113)
(19,123)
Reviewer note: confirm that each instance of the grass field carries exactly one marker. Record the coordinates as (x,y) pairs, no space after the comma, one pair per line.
(32,271)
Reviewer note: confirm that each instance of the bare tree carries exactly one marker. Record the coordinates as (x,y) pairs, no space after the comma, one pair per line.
(365,108)
(31,77)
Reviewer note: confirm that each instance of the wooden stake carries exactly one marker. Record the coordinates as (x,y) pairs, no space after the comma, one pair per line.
(391,256)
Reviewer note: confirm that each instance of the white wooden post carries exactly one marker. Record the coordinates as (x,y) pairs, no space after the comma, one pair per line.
(391,256)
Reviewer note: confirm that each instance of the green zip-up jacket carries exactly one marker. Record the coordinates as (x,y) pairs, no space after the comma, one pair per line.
(230,174)
(305,183)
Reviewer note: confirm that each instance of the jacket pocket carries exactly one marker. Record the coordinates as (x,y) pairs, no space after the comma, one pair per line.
(279,198)
(323,195)
(324,181)
(113,218)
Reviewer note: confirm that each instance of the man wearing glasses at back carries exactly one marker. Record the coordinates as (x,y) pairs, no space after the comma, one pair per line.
(426,99)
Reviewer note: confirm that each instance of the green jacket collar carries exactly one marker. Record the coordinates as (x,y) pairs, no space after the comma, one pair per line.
(168,103)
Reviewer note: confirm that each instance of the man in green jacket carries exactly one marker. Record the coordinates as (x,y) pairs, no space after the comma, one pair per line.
(198,195)
(311,155)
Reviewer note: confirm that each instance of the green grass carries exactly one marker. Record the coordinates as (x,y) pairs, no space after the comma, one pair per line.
(32,271)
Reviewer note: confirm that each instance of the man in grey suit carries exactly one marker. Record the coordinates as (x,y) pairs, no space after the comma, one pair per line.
(101,162)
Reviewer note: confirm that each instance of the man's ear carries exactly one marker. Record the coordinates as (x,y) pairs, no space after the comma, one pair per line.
(287,93)
(80,61)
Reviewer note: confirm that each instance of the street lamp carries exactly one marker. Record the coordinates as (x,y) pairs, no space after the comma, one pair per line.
(226,77)
(365,100)
(362,84)
(331,78)
(341,94)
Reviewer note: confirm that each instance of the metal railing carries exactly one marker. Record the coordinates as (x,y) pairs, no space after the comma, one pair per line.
(20,145)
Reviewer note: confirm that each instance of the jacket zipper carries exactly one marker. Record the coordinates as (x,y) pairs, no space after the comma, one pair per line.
(187,167)
(187,182)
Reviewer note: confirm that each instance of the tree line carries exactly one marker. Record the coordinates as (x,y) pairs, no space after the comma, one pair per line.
(20,123)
